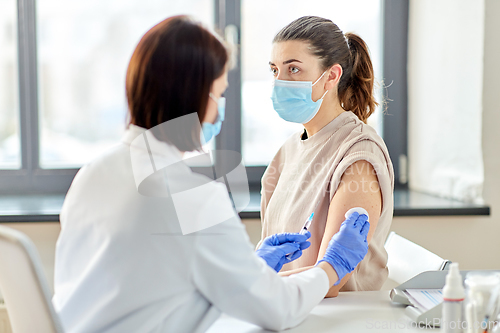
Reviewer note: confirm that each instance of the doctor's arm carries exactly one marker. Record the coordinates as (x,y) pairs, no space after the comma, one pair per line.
(228,273)
(358,187)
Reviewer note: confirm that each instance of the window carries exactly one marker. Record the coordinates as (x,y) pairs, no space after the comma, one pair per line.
(10,156)
(63,102)
(71,104)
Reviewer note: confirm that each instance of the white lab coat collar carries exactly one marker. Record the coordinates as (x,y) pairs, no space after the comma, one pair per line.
(131,133)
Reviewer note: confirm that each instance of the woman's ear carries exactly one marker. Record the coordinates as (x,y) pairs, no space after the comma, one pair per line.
(334,75)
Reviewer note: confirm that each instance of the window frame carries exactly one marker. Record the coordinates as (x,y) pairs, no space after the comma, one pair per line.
(32,179)
(395,60)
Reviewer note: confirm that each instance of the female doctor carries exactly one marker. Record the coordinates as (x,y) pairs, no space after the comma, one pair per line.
(125,259)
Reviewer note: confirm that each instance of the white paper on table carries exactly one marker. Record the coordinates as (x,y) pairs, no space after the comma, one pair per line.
(425,299)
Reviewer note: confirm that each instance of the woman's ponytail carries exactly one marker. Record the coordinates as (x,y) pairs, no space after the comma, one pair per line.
(331,46)
(356,85)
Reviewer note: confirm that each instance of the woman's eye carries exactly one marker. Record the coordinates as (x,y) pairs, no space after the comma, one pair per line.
(273,70)
(294,70)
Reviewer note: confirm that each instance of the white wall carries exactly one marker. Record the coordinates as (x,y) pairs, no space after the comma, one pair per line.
(445,81)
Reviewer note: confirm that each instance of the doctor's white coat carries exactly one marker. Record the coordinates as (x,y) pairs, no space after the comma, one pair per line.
(123,264)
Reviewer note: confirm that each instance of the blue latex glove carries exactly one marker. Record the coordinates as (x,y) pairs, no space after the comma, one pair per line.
(275,248)
(348,246)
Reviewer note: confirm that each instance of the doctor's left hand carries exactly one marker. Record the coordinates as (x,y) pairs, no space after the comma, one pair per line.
(274,249)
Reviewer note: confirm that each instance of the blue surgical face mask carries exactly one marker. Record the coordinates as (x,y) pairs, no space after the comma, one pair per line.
(293,100)
(209,130)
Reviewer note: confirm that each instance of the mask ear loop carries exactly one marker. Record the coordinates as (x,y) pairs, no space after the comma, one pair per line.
(212,96)
(320,79)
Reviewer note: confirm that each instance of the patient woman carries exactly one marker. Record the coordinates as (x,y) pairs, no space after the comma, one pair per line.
(324,80)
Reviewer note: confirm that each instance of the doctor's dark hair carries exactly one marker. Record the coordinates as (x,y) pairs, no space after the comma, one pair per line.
(170,75)
(331,46)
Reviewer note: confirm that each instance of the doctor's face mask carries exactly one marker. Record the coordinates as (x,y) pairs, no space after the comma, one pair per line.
(209,130)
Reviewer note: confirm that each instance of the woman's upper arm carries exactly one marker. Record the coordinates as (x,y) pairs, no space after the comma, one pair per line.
(359,187)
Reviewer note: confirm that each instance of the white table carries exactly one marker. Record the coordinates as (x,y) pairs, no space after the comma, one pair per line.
(361,311)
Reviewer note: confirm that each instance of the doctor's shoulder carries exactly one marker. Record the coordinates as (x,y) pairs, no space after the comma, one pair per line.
(114,161)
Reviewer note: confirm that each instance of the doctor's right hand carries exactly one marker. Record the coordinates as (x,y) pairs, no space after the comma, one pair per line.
(349,246)
(274,249)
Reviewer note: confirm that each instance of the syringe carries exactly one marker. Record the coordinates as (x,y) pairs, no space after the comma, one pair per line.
(306,226)
(304,229)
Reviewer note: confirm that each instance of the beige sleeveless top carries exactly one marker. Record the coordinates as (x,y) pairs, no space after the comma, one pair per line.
(305,172)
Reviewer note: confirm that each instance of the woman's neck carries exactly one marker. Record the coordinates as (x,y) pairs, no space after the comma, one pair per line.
(329,110)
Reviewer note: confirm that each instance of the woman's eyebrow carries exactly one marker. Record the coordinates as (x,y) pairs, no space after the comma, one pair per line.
(291,60)
(286,62)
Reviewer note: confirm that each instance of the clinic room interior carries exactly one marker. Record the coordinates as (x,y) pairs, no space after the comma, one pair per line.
(340,149)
